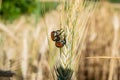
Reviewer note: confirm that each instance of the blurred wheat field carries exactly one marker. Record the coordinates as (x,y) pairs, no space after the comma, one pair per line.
(24,46)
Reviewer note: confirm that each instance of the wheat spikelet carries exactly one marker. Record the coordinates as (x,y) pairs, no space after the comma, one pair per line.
(74,23)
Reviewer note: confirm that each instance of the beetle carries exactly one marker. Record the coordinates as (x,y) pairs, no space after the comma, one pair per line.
(60,43)
(55,35)
(59,37)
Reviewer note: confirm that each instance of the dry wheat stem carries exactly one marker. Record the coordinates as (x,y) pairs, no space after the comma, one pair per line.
(103,57)
(9,33)
(24,63)
(115,49)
